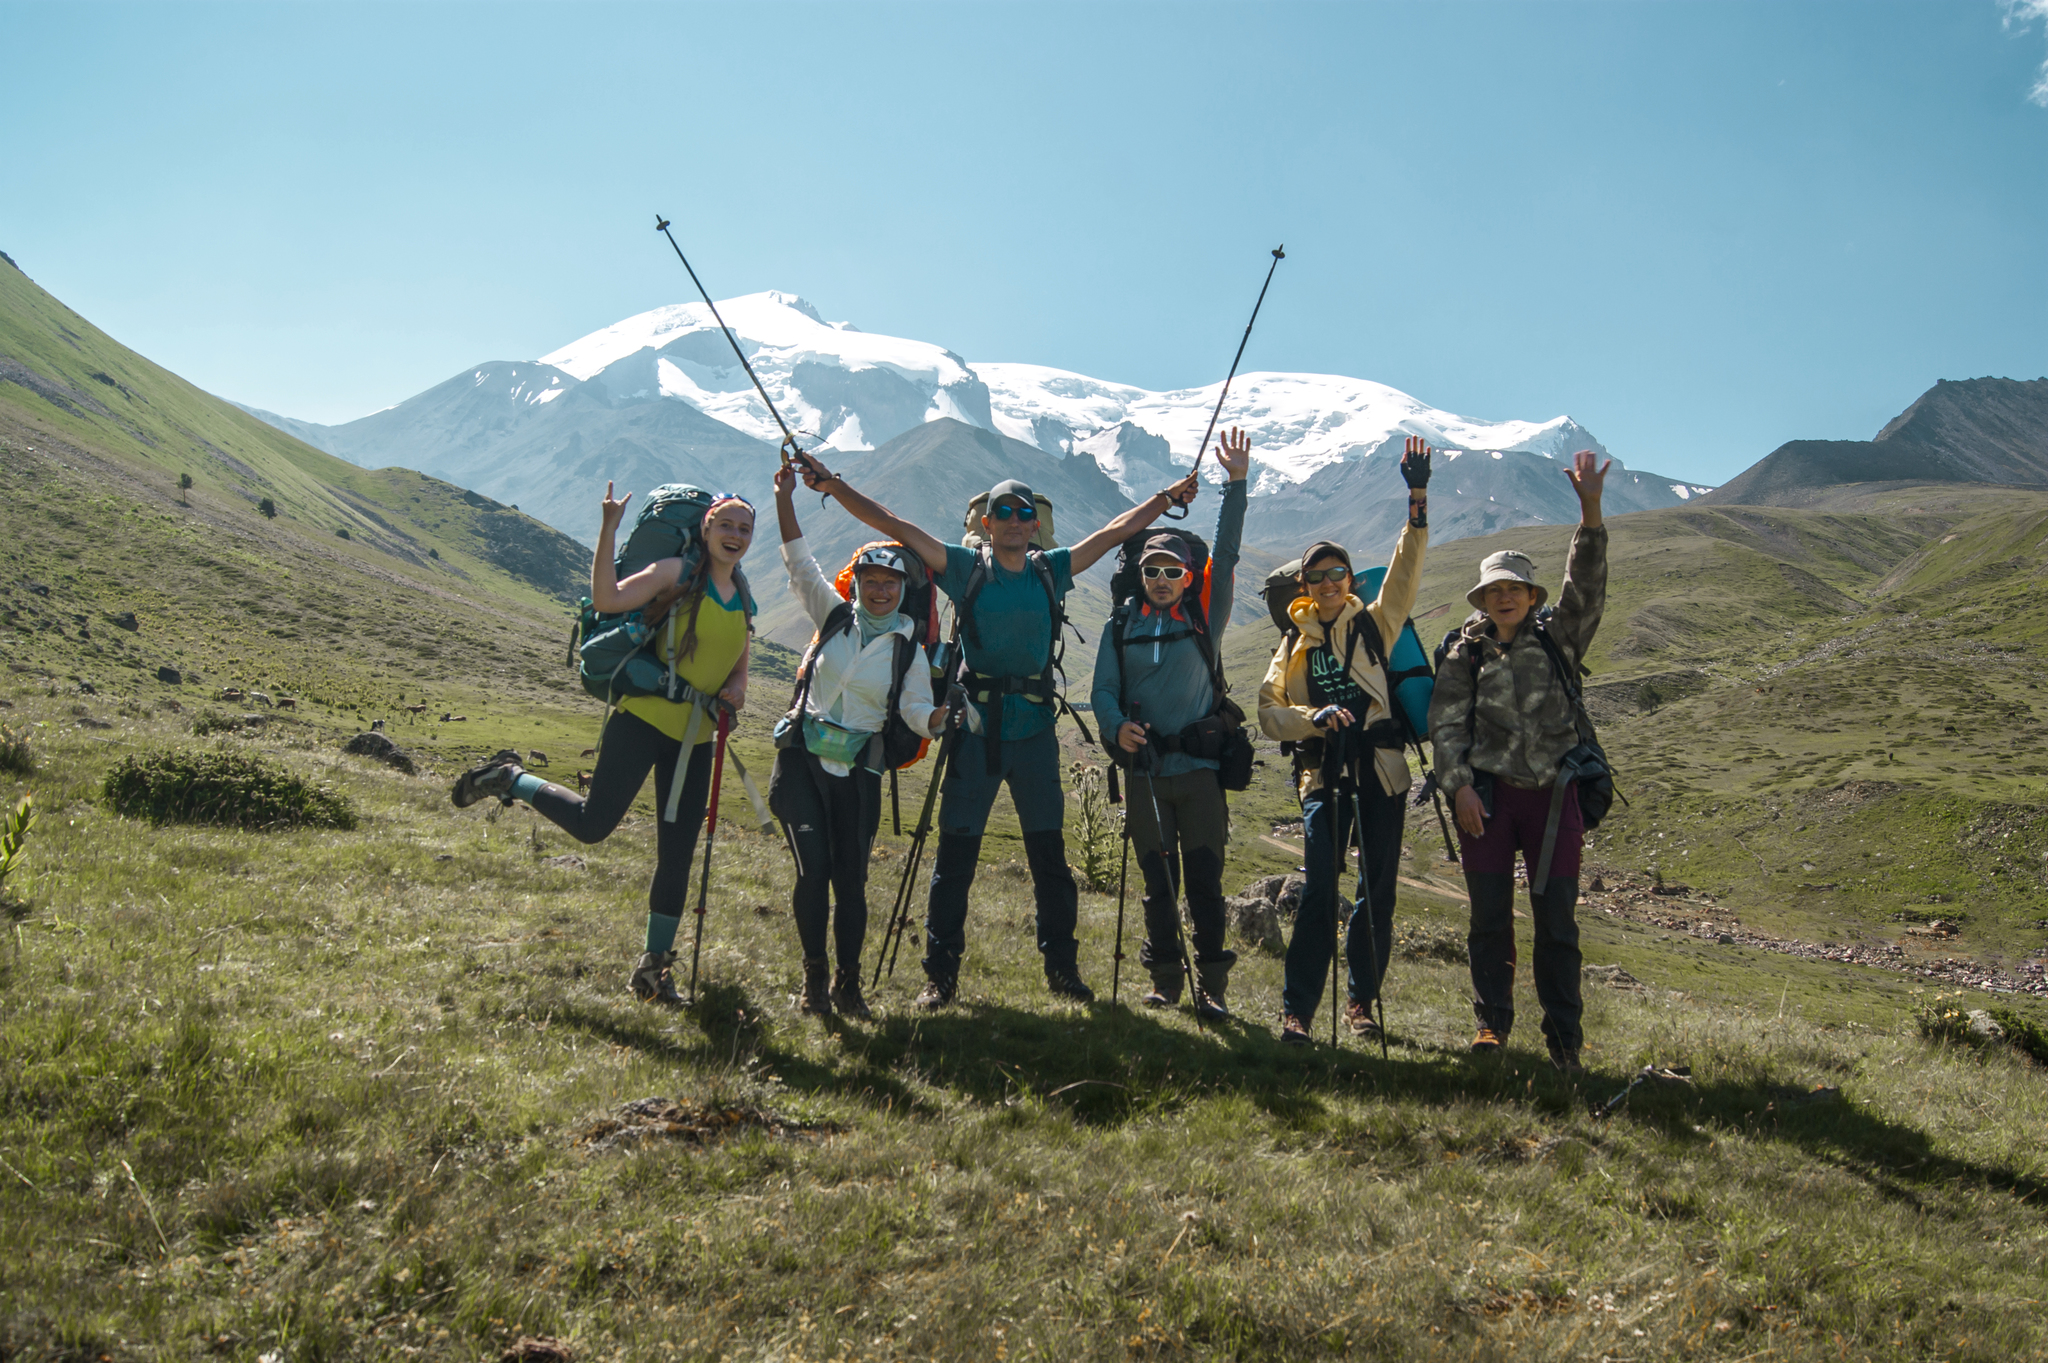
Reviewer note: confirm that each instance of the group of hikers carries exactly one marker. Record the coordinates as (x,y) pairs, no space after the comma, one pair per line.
(1504,720)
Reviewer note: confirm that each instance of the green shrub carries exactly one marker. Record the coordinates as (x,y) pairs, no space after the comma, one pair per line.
(222,788)
(15,756)
(1943,1017)
(214,722)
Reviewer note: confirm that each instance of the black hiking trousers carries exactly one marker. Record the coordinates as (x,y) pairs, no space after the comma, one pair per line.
(830,822)
(1181,849)
(1555,929)
(631,747)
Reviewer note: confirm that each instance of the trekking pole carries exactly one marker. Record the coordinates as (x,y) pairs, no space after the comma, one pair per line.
(1363,895)
(899,915)
(1123,872)
(1332,767)
(710,841)
(1279,254)
(788,437)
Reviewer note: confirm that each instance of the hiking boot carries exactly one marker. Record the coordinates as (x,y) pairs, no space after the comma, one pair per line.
(936,994)
(1565,1060)
(846,995)
(1485,1043)
(1211,981)
(651,982)
(1293,1031)
(1065,982)
(493,776)
(1358,1017)
(1165,991)
(816,1000)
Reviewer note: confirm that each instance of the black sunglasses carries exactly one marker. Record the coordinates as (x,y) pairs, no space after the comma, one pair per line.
(1315,575)
(1006,511)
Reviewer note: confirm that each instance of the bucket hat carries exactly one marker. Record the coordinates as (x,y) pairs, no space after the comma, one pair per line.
(1509,565)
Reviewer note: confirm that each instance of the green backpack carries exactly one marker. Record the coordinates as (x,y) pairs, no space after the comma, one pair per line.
(613,653)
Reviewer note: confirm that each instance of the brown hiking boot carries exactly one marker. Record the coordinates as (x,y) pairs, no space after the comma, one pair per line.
(846,995)
(1294,1031)
(1486,1043)
(1565,1060)
(1165,991)
(1358,1017)
(816,1000)
(1065,982)
(936,994)
(491,778)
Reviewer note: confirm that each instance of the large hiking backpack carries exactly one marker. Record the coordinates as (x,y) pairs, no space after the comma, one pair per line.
(1408,671)
(1219,736)
(612,651)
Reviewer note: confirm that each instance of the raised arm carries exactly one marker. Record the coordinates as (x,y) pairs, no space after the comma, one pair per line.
(873,514)
(1234,453)
(607,592)
(1084,555)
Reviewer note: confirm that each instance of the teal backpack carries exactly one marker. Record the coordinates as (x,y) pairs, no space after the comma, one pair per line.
(613,653)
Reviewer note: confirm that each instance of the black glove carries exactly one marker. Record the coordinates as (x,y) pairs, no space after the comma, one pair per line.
(1415,463)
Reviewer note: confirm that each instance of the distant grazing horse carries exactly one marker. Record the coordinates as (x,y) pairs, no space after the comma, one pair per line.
(537,758)
(413,712)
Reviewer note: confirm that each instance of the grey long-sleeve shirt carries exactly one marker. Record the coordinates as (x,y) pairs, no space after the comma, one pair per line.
(1169,682)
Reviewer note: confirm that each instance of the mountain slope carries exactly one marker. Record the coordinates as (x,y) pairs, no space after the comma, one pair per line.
(62,375)
(1968,431)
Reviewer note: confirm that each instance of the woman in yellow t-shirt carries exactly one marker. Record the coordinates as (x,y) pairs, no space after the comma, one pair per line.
(704,630)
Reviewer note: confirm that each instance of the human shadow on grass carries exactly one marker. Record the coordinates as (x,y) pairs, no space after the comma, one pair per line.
(1110,1065)
(723,1030)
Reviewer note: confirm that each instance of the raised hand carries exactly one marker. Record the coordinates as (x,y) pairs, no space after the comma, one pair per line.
(1234,453)
(813,472)
(1415,462)
(785,480)
(1183,492)
(613,511)
(1587,480)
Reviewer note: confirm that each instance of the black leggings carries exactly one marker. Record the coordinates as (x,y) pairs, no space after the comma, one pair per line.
(630,746)
(831,822)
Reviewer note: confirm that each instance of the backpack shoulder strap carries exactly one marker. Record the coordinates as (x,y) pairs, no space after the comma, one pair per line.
(977,578)
(837,622)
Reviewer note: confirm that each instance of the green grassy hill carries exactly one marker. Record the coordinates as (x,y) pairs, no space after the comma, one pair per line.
(362,1094)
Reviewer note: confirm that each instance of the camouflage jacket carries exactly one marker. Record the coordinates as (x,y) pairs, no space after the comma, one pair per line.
(1504,710)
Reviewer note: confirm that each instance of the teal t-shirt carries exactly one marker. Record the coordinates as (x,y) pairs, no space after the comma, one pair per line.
(1014,622)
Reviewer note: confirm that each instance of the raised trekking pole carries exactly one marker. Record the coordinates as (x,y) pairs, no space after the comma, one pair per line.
(710,840)
(789,445)
(1279,254)
(1363,896)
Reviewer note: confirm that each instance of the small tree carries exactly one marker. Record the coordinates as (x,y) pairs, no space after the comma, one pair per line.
(184,486)
(268,508)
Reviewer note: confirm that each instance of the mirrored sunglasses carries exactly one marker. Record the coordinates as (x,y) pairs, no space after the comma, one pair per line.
(1022,513)
(1172,572)
(1316,575)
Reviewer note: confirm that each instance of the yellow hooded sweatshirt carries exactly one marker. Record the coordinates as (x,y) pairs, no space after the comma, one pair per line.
(1284,708)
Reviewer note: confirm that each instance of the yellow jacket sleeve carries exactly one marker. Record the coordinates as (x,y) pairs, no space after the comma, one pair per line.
(1279,716)
(1396,601)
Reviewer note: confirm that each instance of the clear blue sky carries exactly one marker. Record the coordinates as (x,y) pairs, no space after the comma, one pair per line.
(1701,229)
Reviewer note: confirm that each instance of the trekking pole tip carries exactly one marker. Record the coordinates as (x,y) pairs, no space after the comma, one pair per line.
(1280,251)
(660,223)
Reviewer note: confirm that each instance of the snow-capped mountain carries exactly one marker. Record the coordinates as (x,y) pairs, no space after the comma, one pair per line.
(660,397)
(1298,423)
(848,388)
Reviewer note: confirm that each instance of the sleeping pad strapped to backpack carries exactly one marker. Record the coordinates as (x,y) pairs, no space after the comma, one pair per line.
(1218,737)
(612,652)
(1408,671)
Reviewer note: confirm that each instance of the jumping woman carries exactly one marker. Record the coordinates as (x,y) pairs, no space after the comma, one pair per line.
(704,625)
(829,795)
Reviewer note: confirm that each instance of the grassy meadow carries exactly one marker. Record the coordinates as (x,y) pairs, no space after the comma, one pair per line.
(380,1093)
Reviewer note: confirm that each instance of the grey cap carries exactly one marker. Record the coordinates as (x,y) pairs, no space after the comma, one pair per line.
(1509,565)
(1010,487)
(1169,544)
